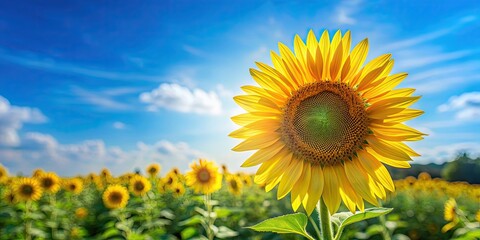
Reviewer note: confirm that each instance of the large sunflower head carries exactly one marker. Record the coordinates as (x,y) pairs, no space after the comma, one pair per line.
(74,185)
(49,182)
(153,169)
(322,123)
(27,189)
(139,185)
(234,184)
(204,177)
(3,174)
(115,196)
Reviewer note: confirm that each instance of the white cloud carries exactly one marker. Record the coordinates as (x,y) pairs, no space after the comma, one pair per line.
(443,153)
(119,125)
(182,99)
(465,106)
(40,150)
(101,100)
(12,119)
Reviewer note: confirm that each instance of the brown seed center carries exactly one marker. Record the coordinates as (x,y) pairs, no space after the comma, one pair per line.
(324,123)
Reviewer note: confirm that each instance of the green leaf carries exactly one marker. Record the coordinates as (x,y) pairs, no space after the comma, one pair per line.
(222,212)
(188,233)
(360,216)
(196,219)
(291,223)
(225,232)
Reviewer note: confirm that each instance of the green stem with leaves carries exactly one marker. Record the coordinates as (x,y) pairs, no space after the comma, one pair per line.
(325,222)
(208,205)
(383,222)
(317,230)
(28,222)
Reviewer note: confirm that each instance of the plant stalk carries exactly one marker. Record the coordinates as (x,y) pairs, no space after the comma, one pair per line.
(325,223)
(209,217)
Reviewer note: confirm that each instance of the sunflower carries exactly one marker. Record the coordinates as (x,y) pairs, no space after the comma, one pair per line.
(9,197)
(170,179)
(27,189)
(204,177)
(74,185)
(153,169)
(115,196)
(3,174)
(81,213)
(247,180)
(234,184)
(49,182)
(323,124)
(178,189)
(139,185)
(37,172)
(105,173)
(477,216)
(450,211)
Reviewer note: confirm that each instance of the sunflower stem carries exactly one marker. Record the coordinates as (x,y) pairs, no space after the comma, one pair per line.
(315,226)
(28,223)
(383,222)
(209,217)
(325,223)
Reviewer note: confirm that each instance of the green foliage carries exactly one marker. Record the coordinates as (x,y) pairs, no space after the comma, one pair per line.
(291,223)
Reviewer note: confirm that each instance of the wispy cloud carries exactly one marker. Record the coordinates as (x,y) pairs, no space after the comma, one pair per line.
(345,11)
(443,153)
(99,99)
(119,125)
(44,63)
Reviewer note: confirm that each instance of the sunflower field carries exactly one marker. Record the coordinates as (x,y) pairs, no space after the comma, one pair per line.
(171,206)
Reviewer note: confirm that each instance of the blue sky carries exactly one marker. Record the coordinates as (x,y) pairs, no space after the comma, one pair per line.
(88,85)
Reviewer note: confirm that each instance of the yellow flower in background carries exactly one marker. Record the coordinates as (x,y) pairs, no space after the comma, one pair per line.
(139,185)
(81,213)
(204,177)
(175,171)
(247,180)
(37,172)
(27,189)
(49,182)
(3,174)
(178,189)
(170,179)
(450,211)
(9,197)
(234,184)
(153,169)
(477,216)
(105,173)
(322,123)
(115,196)
(74,185)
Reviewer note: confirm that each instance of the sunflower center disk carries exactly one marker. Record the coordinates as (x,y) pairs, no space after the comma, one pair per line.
(324,123)
(203,175)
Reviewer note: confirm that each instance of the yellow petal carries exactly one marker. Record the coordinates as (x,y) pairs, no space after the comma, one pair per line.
(388,161)
(331,194)
(358,178)
(292,173)
(246,118)
(385,149)
(259,141)
(376,170)
(325,47)
(301,187)
(263,154)
(356,59)
(390,83)
(315,189)
(347,193)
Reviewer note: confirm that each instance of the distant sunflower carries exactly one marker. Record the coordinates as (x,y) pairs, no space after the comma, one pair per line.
(176,171)
(450,211)
(49,182)
(9,197)
(153,169)
(178,189)
(323,124)
(204,177)
(27,189)
(74,185)
(37,172)
(139,185)
(115,196)
(105,173)
(234,184)
(247,180)
(81,213)
(3,174)
(170,179)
